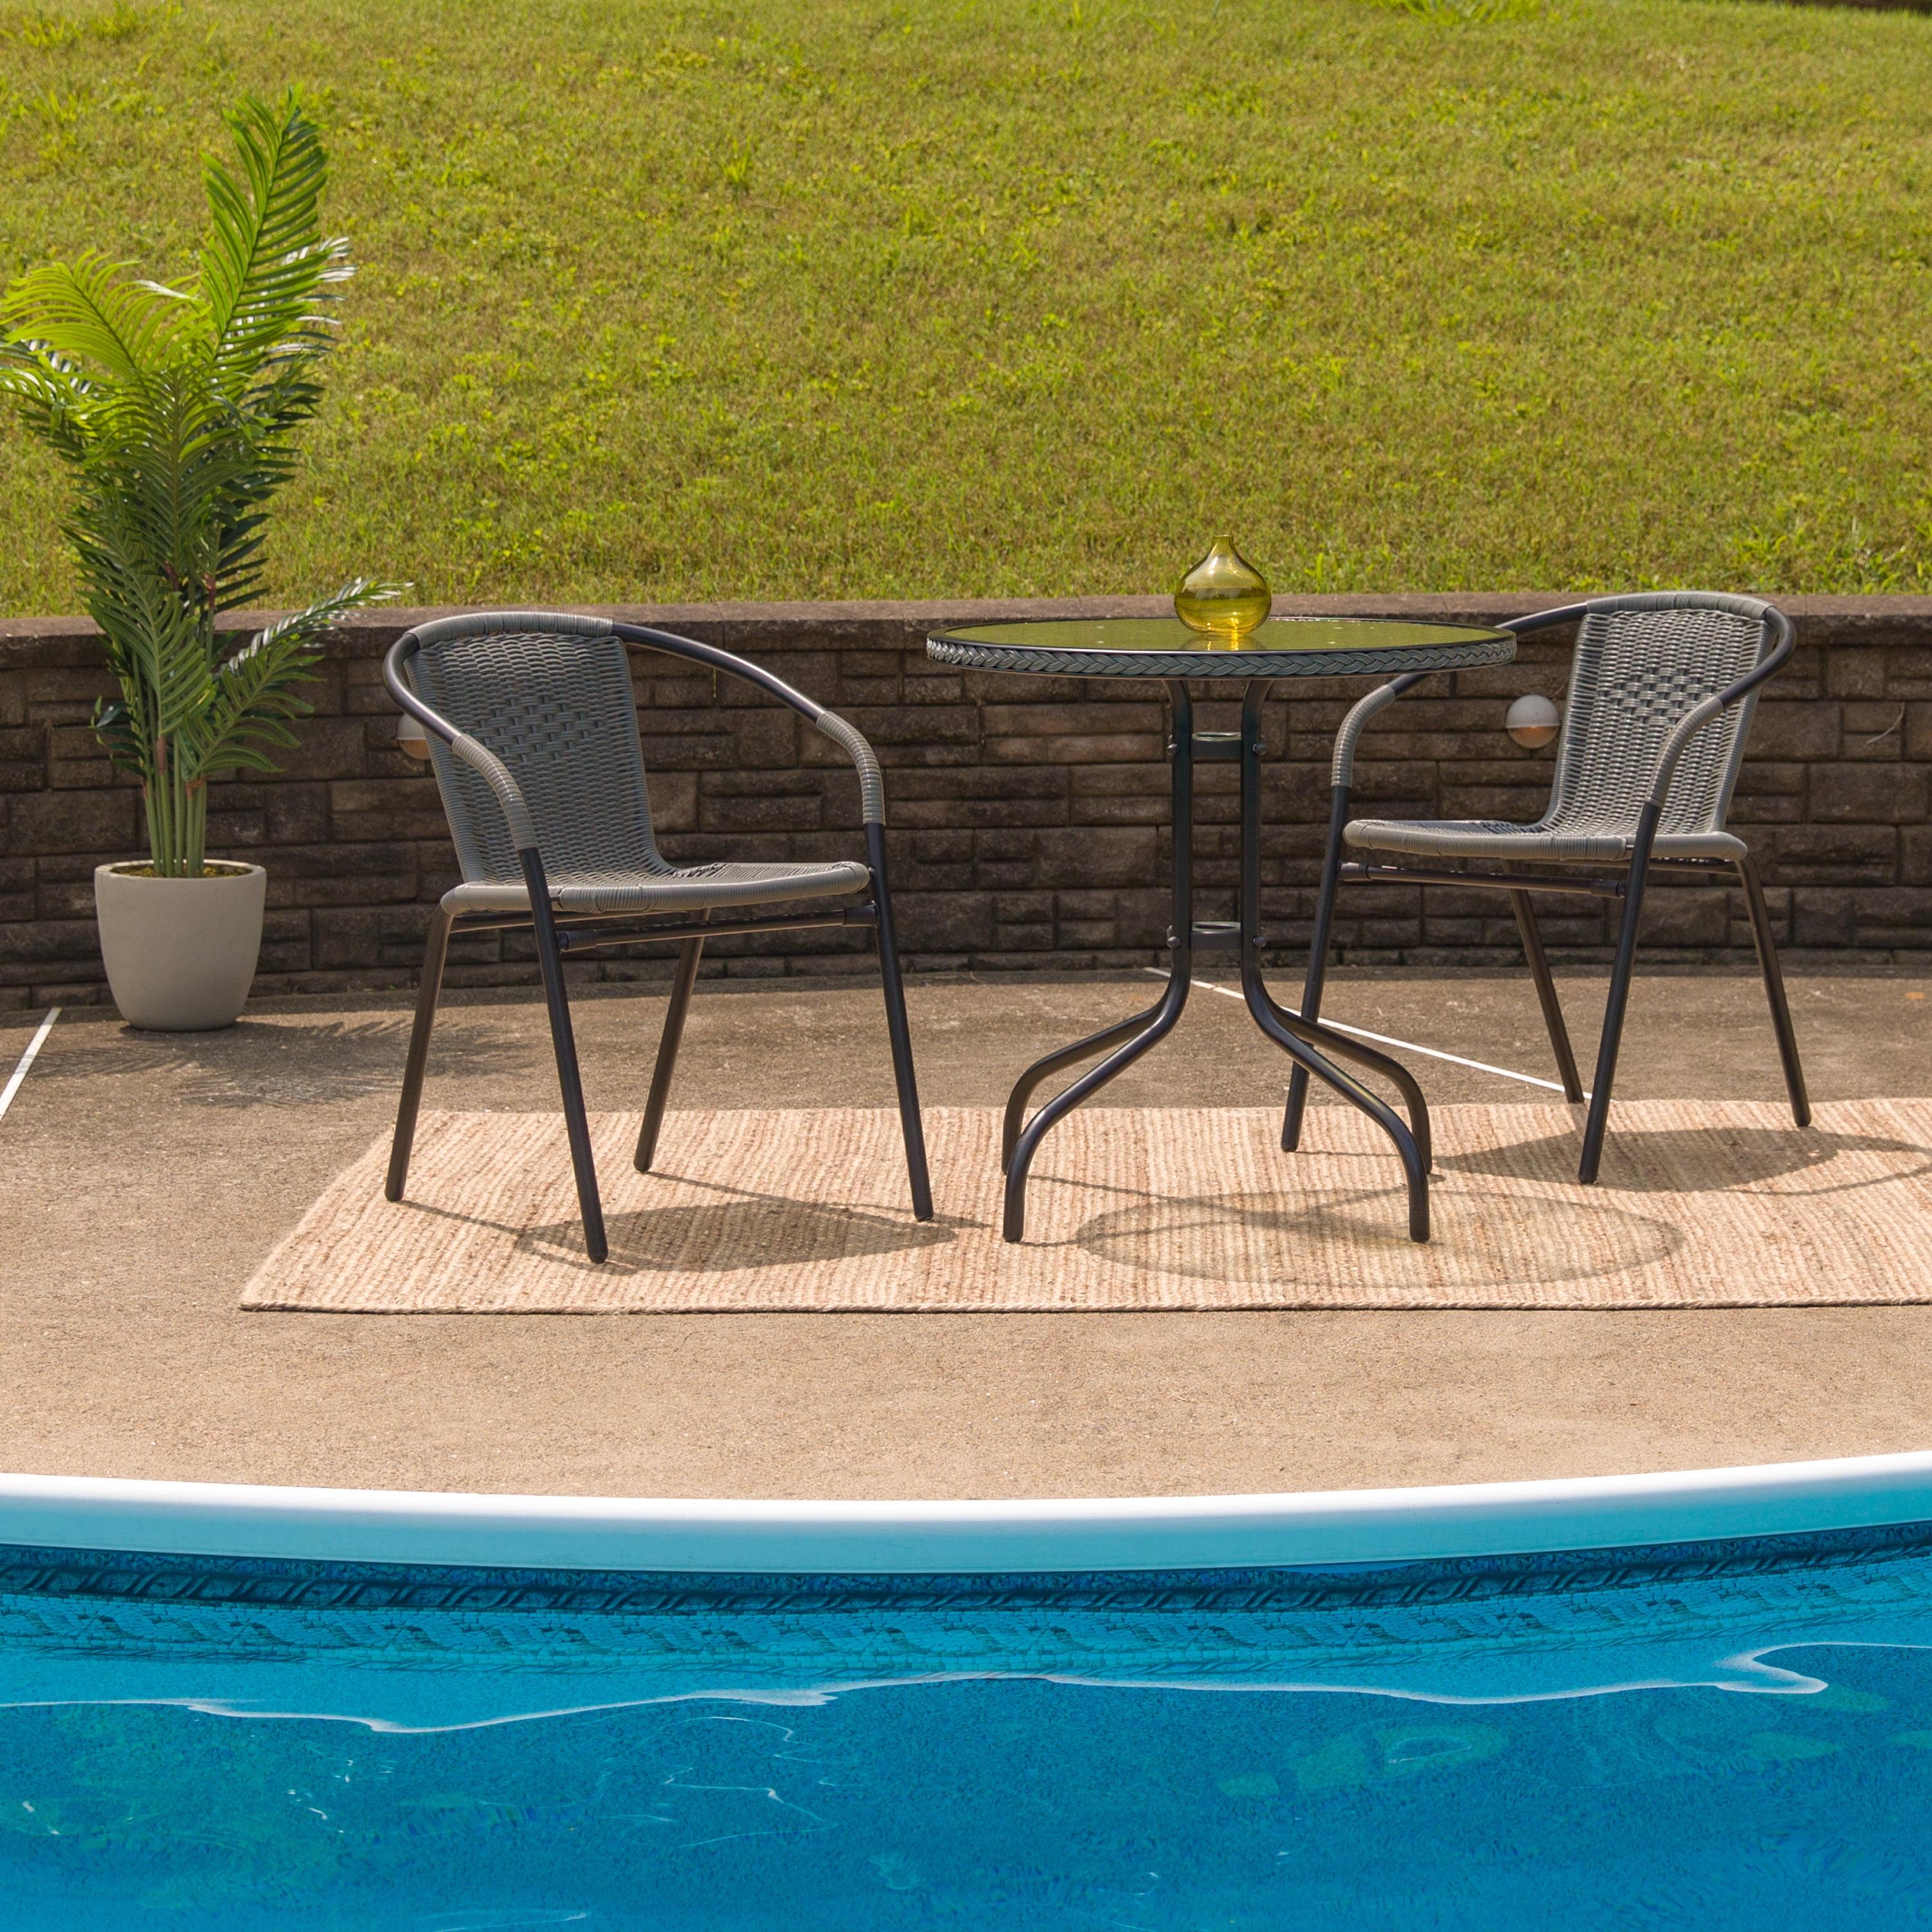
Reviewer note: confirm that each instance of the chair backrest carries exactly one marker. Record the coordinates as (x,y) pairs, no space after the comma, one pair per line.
(1642,661)
(551,695)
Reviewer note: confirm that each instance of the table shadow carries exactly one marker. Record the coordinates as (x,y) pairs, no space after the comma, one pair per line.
(1480,1242)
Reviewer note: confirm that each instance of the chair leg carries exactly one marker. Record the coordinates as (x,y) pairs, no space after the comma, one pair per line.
(1598,1120)
(911,1125)
(1773,991)
(429,991)
(1546,993)
(576,1121)
(1317,962)
(688,954)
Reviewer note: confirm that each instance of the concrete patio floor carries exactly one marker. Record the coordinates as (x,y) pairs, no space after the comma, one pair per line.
(147,1175)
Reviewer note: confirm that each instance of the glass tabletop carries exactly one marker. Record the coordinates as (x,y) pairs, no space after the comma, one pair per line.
(1166,647)
(1170,633)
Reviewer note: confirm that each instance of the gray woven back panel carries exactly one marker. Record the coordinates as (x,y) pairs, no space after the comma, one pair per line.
(1635,673)
(558,708)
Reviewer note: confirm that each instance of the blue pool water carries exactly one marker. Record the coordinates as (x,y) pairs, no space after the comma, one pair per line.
(1719,1736)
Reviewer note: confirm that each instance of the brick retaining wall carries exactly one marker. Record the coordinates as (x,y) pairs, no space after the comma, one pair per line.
(1027,816)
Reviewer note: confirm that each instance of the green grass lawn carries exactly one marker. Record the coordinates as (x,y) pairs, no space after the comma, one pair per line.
(822,298)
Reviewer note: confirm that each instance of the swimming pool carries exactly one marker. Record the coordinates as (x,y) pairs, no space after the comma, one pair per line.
(1730,1732)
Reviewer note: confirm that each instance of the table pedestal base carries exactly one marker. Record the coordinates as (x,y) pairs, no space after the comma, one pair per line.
(1307,1043)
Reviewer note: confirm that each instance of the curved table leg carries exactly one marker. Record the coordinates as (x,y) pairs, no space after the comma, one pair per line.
(1307,1043)
(1063,1103)
(1145,1029)
(1411,1148)
(1296,1036)
(1342,1048)
(1043,1069)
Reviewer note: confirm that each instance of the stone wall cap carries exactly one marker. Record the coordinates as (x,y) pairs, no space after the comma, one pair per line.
(67,641)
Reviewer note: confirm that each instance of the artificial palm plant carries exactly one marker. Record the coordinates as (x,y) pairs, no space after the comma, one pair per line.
(176,411)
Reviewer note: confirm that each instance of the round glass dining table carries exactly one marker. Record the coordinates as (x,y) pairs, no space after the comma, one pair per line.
(1164,648)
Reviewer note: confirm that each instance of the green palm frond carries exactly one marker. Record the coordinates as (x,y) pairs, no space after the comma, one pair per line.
(254,693)
(53,395)
(267,275)
(115,727)
(176,411)
(92,311)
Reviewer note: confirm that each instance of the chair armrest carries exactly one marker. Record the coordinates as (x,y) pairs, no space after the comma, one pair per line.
(1342,771)
(871,780)
(480,759)
(1546,620)
(1694,720)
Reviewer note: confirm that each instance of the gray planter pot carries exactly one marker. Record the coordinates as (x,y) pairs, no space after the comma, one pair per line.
(180,953)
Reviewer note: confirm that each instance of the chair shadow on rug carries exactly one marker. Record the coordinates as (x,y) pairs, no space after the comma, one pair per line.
(758,1230)
(1670,1160)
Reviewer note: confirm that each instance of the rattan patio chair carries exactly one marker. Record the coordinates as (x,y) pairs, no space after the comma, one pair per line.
(1662,687)
(532,721)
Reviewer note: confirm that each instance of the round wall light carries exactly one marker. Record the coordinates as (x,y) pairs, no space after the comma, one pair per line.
(410,737)
(1532,722)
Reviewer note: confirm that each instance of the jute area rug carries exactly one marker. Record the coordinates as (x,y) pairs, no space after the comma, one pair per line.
(1701,1205)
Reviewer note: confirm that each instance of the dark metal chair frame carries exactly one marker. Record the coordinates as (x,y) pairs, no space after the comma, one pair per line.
(1623,841)
(613,905)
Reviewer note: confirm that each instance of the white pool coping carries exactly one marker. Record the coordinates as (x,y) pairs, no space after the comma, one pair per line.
(910,1538)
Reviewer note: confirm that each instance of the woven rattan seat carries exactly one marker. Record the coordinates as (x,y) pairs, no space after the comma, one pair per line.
(673,889)
(1579,840)
(531,722)
(1662,685)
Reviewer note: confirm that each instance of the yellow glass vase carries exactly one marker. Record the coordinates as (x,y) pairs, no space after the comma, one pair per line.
(1224,597)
